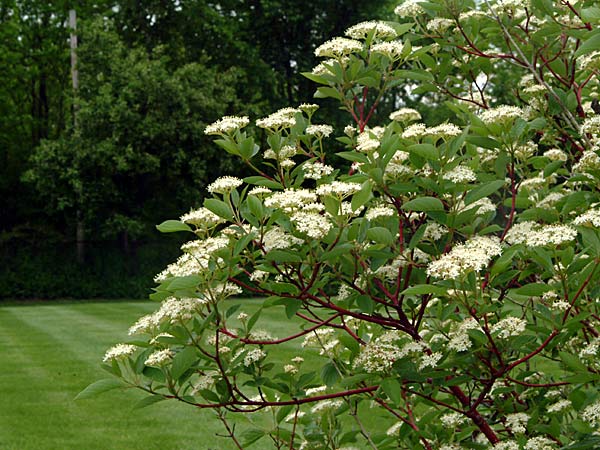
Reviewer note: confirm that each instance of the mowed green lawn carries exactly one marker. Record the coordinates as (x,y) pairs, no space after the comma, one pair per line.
(50,352)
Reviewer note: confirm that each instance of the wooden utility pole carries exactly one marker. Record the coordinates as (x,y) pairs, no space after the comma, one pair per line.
(80,226)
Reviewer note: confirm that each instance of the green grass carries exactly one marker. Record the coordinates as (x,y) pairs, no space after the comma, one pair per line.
(50,352)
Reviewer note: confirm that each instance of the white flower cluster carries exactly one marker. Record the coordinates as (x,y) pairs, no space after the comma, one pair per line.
(588,162)
(338,47)
(540,443)
(483,205)
(405,115)
(312,224)
(285,152)
(119,351)
(291,200)
(409,8)
(319,131)
(444,131)
(473,255)
(259,191)
(227,125)
(509,326)
(526,151)
(588,218)
(284,118)
(224,184)
(380,211)
(459,338)
(202,217)
(316,170)
(551,235)
(591,125)
(326,405)
(202,251)
(391,49)
(517,422)
(172,310)
(591,61)
(380,30)
(555,154)
(253,356)
(396,166)
(591,414)
(434,232)
(559,406)
(460,174)
(276,238)
(366,143)
(378,356)
(416,130)
(439,24)
(452,420)
(506,445)
(393,430)
(501,114)
(340,189)
(159,358)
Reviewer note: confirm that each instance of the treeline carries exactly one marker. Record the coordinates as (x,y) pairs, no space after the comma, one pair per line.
(104,163)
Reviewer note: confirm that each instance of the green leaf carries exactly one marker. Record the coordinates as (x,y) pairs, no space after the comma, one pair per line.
(220,208)
(366,304)
(590,45)
(422,289)
(392,389)
(182,283)
(182,361)
(362,196)
(329,374)
(380,235)
(427,151)
(282,256)
(148,401)
(572,362)
(251,435)
(326,91)
(424,204)
(171,226)
(533,289)
(100,386)
(262,181)
(483,191)
(417,75)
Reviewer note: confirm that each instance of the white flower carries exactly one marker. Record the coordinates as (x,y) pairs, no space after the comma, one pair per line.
(361,30)
(405,115)
(590,61)
(555,154)
(439,24)
(459,339)
(119,351)
(510,326)
(452,420)
(588,218)
(540,443)
(159,358)
(559,406)
(460,174)
(276,238)
(416,130)
(326,405)
(319,130)
(551,235)
(517,422)
(316,390)
(223,185)
(391,49)
(475,254)
(506,445)
(393,430)
(339,189)
(202,217)
(338,47)
(501,114)
(366,143)
(316,170)
(518,233)
(409,8)
(591,125)
(227,125)
(430,360)
(290,368)
(314,225)
(284,118)
(591,414)
(253,356)
(259,191)
(308,108)
(434,232)
(589,161)
(291,200)
(380,211)
(445,130)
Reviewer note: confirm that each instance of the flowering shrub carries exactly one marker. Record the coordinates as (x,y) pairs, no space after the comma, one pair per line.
(446,285)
